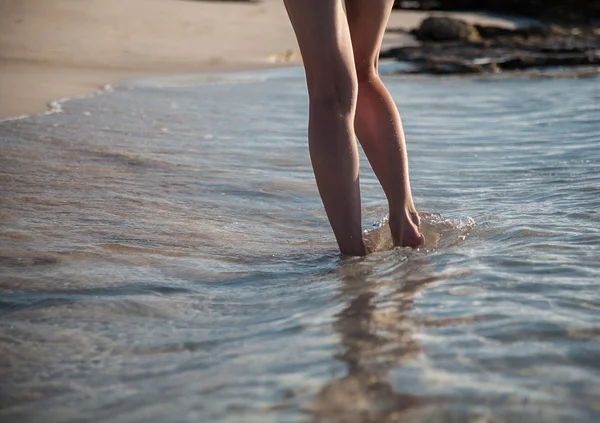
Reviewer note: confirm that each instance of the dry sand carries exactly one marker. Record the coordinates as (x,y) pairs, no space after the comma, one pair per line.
(50,49)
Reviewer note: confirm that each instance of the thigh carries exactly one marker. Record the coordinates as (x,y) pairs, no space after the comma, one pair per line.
(367,20)
(323,36)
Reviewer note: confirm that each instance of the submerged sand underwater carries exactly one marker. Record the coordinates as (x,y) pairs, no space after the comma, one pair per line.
(165,257)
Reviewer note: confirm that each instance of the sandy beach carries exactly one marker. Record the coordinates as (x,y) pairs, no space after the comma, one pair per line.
(66,48)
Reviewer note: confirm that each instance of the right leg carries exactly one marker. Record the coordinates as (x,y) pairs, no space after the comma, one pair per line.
(324,39)
(378,123)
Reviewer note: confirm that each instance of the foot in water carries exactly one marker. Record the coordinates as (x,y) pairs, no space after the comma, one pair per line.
(405,228)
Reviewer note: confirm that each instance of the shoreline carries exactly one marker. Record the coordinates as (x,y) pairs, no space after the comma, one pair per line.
(83,82)
(67,48)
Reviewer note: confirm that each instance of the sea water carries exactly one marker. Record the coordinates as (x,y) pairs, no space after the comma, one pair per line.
(165,257)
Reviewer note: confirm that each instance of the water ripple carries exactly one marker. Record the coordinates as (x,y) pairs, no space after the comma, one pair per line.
(164,255)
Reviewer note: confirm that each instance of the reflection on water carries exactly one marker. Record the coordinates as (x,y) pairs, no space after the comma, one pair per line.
(377,334)
(164,256)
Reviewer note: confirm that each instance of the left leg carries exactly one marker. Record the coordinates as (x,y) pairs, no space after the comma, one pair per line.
(324,39)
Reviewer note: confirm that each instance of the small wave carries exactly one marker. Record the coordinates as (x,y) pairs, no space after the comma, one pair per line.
(438,231)
(56,106)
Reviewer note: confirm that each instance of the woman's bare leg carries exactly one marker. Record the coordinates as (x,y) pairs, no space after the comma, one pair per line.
(324,39)
(377,121)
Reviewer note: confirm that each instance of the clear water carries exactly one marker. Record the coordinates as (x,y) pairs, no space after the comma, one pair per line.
(165,257)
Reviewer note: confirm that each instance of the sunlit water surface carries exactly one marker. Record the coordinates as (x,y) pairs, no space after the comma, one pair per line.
(165,257)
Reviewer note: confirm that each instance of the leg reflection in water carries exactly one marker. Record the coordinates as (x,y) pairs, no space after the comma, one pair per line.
(377,335)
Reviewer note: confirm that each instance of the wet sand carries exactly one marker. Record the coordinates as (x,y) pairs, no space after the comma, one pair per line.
(66,48)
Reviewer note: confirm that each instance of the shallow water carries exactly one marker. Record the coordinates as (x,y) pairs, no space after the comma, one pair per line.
(165,257)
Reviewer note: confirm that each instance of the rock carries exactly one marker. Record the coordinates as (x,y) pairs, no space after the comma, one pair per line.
(488,32)
(544,61)
(436,28)
(455,67)
(502,49)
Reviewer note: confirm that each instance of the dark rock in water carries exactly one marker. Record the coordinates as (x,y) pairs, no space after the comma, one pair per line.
(498,49)
(437,28)
(455,67)
(487,32)
(540,61)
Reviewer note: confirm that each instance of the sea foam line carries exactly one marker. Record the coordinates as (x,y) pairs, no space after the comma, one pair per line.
(56,106)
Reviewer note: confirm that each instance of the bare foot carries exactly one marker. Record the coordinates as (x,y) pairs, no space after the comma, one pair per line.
(405,228)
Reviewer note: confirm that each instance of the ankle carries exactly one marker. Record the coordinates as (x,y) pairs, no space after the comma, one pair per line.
(406,213)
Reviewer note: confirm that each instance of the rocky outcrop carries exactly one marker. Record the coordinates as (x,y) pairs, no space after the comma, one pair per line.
(440,28)
(501,49)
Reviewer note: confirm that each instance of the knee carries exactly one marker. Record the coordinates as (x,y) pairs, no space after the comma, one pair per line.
(336,91)
(367,74)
